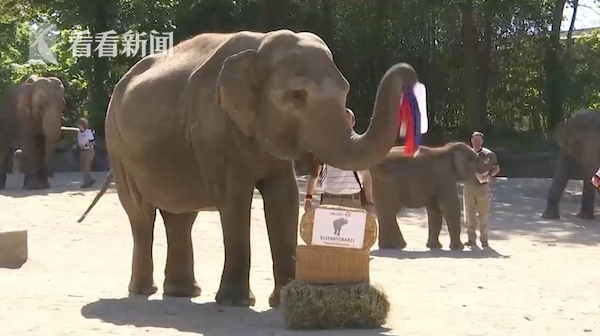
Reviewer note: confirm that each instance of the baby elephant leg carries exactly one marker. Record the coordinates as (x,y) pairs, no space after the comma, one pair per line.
(450,206)
(434,223)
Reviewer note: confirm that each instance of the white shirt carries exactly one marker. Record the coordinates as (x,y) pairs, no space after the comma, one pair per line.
(485,152)
(84,138)
(339,182)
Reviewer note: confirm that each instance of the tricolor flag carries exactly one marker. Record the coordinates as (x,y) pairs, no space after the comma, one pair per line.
(412,117)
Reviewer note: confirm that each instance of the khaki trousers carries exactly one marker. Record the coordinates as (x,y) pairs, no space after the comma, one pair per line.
(347,202)
(476,202)
(86,157)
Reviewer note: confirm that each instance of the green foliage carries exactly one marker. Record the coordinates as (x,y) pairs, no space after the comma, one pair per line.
(366,37)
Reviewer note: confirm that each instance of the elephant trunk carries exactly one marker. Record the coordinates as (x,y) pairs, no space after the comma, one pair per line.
(344,149)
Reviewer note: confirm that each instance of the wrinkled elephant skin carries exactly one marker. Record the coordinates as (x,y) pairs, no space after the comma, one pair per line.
(30,120)
(427,180)
(579,151)
(224,114)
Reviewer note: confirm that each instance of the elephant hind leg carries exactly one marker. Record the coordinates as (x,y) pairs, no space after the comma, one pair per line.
(141,218)
(179,270)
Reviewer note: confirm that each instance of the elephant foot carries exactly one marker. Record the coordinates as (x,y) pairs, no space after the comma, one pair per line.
(585,215)
(550,214)
(458,245)
(397,245)
(434,245)
(275,298)
(231,295)
(145,288)
(181,289)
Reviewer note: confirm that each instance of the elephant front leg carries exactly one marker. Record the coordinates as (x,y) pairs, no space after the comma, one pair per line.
(30,162)
(390,236)
(234,289)
(281,203)
(450,207)
(559,182)
(587,201)
(434,225)
(179,270)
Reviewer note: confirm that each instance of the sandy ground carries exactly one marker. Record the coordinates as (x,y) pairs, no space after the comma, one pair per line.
(539,278)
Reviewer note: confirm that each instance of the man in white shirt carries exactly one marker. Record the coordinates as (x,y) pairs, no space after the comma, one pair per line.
(477,195)
(341,187)
(85,142)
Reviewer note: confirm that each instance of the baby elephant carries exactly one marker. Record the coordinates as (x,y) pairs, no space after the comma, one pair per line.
(337,225)
(427,180)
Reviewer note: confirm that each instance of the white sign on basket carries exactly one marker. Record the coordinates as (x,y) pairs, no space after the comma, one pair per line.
(339,228)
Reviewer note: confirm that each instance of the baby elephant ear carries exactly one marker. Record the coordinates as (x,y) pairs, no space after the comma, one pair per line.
(237,89)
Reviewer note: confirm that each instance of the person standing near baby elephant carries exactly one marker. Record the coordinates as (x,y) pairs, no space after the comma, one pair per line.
(477,195)
(85,142)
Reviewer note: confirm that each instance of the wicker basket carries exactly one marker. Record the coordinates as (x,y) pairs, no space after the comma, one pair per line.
(331,265)
(307,222)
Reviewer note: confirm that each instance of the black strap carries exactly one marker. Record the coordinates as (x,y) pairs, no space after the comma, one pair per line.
(357,179)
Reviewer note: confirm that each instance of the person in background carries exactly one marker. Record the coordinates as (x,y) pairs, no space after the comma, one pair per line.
(341,187)
(85,142)
(477,196)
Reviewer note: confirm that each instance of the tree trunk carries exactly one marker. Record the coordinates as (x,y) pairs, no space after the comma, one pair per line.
(554,70)
(471,55)
(575,5)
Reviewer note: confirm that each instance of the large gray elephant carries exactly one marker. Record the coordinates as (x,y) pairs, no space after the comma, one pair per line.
(224,114)
(579,152)
(427,180)
(30,119)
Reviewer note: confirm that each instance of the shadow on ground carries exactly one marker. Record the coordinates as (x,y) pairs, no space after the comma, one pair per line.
(60,183)
(467,253)
(517,206)
(208,319)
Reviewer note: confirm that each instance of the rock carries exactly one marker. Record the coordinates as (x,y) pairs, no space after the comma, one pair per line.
(13,248)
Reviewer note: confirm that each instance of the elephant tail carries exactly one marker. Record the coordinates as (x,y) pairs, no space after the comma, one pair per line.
(102,191)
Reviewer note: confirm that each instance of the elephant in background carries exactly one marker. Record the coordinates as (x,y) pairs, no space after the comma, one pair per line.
(426,180)
(579,151)
(30,120)
(226,113)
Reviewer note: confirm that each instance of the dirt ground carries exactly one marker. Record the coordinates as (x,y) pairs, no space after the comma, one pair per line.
(539,277)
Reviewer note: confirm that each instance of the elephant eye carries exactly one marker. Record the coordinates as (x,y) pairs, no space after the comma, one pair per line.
(299,96)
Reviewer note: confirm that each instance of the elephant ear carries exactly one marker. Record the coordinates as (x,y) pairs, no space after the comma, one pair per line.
(237,89)
(24,100)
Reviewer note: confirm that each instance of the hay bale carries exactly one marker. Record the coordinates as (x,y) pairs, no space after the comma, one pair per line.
(13,248)
(359,306)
